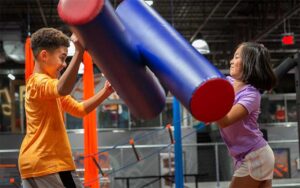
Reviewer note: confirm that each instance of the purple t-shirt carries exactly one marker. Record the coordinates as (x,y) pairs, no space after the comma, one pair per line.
(244,136)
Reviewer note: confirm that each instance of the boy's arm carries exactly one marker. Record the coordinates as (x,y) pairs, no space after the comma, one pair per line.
(72,106)
(68,78)
(91,103)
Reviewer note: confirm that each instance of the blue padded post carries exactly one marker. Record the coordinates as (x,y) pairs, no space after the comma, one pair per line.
(178,144)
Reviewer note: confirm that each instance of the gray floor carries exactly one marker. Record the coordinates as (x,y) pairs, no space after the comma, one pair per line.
(283,183)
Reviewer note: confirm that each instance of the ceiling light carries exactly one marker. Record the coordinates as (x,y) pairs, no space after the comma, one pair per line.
(201,45)
(11,76)
(149,2)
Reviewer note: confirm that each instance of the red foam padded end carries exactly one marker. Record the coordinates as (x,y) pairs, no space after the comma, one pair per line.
(212,100)
(76,12)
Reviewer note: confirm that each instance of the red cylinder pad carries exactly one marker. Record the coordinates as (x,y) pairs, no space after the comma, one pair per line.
(209,103)
(75,12)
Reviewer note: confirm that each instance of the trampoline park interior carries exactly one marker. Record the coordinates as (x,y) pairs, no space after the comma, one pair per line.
(157,136)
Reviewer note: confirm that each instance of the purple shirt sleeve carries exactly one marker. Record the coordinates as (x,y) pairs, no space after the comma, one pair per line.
(250,99)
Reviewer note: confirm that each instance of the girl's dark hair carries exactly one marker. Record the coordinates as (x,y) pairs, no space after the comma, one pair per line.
(48,39)
(257,69)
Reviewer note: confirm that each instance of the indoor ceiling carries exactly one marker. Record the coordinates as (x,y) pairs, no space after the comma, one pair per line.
(222,23)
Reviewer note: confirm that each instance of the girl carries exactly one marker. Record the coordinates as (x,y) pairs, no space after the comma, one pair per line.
(250,73)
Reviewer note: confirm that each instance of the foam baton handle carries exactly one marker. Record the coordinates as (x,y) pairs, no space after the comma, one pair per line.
(199,86)
(104,36)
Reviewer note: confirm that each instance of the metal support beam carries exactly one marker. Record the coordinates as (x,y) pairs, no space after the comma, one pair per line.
(42,13)
(206,20)
(277,23)
(297,85)
(232,8)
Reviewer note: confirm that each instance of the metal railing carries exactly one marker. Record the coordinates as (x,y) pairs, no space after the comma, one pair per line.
(215,145)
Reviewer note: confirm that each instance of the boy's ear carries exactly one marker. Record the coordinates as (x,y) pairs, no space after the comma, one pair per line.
(43,55)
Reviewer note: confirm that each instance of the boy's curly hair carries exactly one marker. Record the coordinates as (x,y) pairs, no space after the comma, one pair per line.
(48,39)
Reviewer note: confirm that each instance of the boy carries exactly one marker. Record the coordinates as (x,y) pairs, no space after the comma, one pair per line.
(45,158)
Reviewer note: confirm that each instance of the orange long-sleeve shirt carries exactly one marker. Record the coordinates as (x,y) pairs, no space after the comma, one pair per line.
(46,148)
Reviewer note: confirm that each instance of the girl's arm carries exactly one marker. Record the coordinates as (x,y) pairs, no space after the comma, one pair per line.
(237,113)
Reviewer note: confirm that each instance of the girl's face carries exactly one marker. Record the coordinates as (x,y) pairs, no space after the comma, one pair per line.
(236,64)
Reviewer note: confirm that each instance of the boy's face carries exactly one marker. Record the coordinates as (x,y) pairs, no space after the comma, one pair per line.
(54,61)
